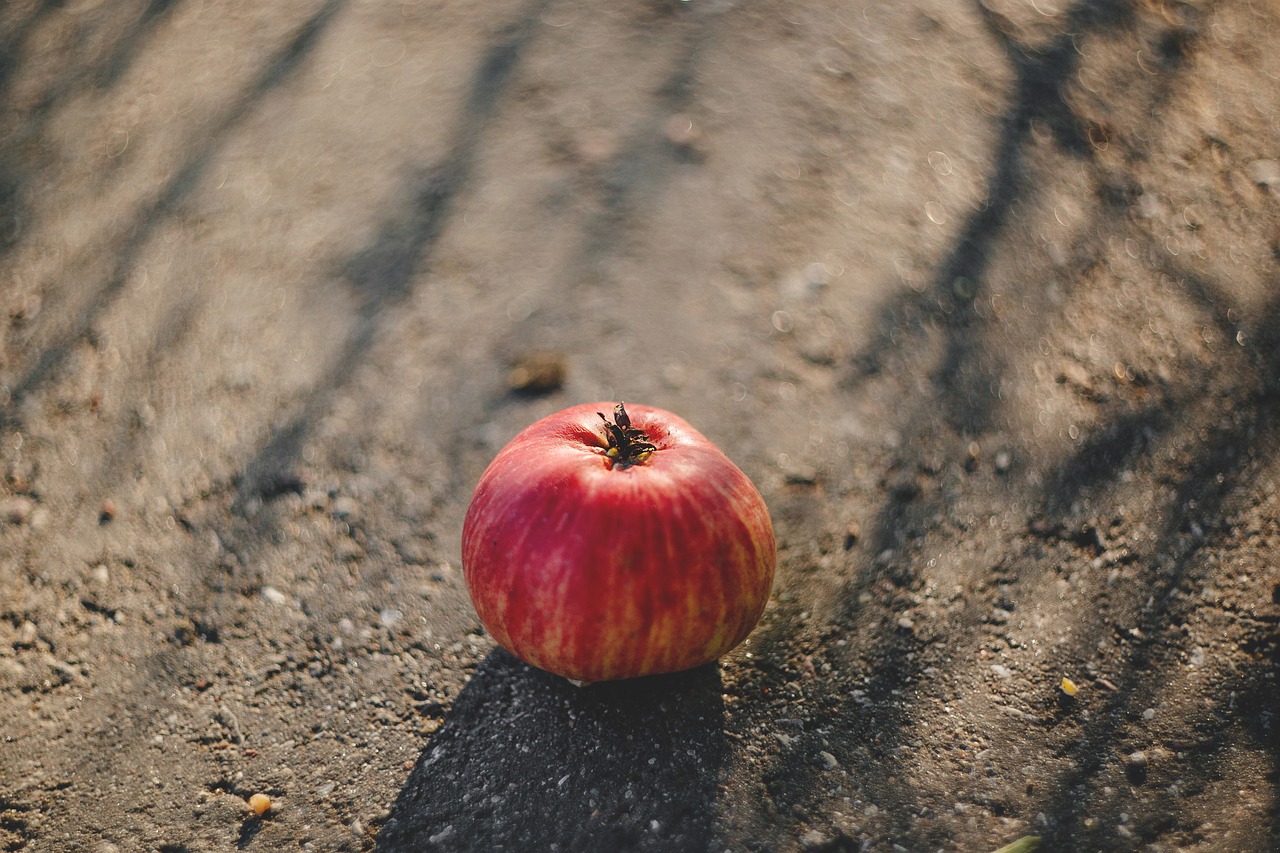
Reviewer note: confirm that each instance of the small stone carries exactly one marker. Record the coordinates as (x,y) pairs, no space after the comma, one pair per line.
(274,596)
(27,634)
(259,804)
(815,838)
(1001,671)
(17,509)
(1135,767)
(1019,714)
(1150,206)
(1196,658)
(1003,461)
(345,508)
(539,372)
(348,551)
(1265,173)
(1075,374)
(801,476)
(828,760)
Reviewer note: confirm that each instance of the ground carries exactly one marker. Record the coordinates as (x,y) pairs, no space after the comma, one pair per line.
(982,295)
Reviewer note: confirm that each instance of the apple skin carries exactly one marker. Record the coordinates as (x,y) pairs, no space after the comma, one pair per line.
(597,571)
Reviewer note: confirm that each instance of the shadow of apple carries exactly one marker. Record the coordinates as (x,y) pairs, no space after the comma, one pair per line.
(527,761)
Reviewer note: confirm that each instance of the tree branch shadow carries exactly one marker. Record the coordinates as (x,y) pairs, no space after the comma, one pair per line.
(164,204)
(1223,469)
(29,124)
(1037,99)
(882,713)
(383,275)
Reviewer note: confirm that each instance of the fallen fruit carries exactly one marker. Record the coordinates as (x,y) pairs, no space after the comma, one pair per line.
(601,549)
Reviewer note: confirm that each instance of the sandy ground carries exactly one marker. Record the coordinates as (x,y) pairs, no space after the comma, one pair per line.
(984,297)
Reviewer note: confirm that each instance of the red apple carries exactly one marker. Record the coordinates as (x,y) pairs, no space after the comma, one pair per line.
(602,549)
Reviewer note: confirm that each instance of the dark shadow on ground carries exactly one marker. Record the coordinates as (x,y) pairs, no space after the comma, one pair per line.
(527,761)
(1041,77)
(1215,477)
(1218,480)
(882,710)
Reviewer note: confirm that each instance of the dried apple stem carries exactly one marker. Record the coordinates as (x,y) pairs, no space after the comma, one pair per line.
(627,445)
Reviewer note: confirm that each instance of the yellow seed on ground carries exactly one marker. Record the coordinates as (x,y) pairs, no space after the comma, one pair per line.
(1069,686)
(259,803)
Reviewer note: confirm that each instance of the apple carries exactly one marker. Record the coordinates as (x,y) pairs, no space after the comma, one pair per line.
(601,549)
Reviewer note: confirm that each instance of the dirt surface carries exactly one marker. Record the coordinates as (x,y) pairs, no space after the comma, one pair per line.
(985,298)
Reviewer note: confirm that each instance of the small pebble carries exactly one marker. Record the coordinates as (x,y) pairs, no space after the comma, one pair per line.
(274,596)
(1265,173)
(345,508)
(538,373)
(348,550)
(815,838)
(17,509)
(828,760)
(27,634)
(1135,767)
(1001,671)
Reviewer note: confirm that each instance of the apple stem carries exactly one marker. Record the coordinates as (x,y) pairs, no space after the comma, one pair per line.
(627,445)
